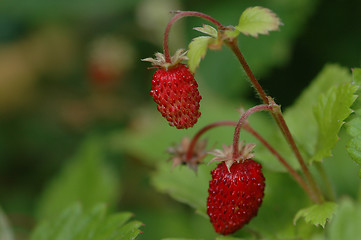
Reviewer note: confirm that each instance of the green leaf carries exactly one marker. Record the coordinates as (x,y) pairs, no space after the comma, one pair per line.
(317,214)
(258,20)
(6,232)
(184,185)
(347,221)
(354,149)
(197,51)
(354,126)
(75,223)
(302,111)
(207,29)
(84,178)
(332,109)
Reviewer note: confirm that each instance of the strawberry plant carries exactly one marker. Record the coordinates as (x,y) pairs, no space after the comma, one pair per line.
(234,141)
(298,141)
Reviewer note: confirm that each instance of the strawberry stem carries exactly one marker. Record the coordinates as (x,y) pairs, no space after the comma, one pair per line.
(277,115)
(181,14)
(249,129)
(293,173)
(234,47)
(242,121)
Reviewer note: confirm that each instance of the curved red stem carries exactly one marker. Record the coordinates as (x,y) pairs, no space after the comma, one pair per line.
(241,122)
(180,14)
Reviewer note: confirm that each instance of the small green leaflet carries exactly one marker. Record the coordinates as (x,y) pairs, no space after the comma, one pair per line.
(317,214)
(330,112)
(197,51)
(354,127)
(76,224)
(207,29)
(258,20)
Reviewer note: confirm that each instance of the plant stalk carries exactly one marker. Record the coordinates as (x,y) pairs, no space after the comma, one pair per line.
(179,15)
(242,121)
(249,129)
(293,173)
(277,115)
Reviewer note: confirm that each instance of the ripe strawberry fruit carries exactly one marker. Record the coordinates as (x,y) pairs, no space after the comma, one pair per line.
(235,194)
(175,90)
(176,93)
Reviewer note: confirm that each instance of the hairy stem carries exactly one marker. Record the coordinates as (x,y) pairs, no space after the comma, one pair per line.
(249,129)
(286,132)
(277,115)
(234,46)
(293,173)
(181,14)
(242,121)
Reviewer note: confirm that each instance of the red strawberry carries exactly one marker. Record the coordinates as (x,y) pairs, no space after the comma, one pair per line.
(235,194)
(175,91)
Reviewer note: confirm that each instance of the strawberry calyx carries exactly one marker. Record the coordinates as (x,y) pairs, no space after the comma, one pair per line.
(245,151)
(160,59)
(179,153)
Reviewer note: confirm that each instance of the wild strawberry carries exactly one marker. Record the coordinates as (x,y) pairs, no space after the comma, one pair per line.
(175,91)
(235,192)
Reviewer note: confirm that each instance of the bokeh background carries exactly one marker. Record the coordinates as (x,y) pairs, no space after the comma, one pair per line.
(76,118)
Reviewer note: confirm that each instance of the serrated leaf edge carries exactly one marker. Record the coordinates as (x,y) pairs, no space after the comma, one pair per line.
(277,23)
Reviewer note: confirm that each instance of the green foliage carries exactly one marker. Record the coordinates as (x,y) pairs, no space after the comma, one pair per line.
(197,50)
(184,185)
(76,224)
(354,149)
(317,214)
(85,178)
(207,29)
(332,109)
(258,20)
(354,126)
(262,54)
(6,232)
(347,221)
(332,83)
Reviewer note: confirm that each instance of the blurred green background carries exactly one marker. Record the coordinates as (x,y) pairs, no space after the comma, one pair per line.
(76,118)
